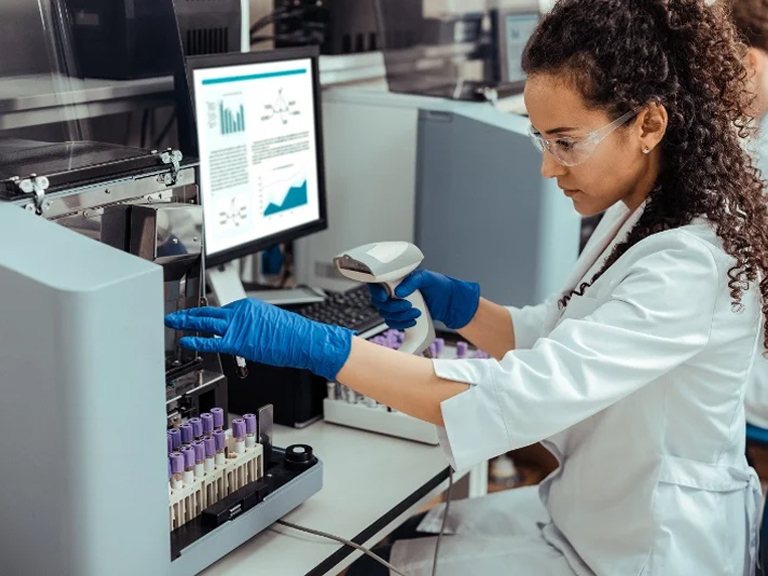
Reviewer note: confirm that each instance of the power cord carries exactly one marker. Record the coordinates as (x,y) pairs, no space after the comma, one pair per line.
(373,555)
(344,541)
(445,517)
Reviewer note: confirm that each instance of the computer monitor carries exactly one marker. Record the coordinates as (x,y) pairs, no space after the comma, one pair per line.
(513,28)
(257,130)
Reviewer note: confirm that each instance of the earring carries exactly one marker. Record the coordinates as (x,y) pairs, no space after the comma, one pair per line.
(646,150)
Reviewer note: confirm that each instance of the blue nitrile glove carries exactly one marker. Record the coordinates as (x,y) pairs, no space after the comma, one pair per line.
(264,333)
(450,301)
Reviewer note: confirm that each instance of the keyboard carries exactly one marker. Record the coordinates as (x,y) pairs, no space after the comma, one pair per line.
(351,309)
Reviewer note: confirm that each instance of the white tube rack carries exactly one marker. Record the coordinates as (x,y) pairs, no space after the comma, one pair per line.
(346,408)
(189,501)
(380,420)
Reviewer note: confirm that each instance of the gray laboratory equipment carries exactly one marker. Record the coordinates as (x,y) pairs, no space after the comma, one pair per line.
(461,180)
(483,210)
(101,242)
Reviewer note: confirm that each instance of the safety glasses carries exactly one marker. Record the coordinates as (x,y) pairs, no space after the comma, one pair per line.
(572,151)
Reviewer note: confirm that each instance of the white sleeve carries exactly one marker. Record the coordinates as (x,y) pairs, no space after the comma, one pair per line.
(648,326)
(529,322)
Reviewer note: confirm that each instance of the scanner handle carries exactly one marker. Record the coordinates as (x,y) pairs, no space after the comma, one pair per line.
(418,338)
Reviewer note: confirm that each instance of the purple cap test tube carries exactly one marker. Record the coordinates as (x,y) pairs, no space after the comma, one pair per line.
(207,419)
(199,451)
(250,423)
(461,349)
(210,447)
(238,428)
(186,434)
(197,427)
(175,435)
(221,440)
(170,444)
(189,458)
(177,466)
(439,346)
(218,418)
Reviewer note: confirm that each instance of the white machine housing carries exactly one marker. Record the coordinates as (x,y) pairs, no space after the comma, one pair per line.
(84,409)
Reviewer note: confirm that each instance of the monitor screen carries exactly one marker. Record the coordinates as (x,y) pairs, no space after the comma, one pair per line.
(257,139)
(516,31)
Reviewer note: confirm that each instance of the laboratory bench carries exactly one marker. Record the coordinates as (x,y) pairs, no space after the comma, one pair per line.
(372,483)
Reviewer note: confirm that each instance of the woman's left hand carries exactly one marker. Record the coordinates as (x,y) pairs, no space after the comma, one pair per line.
(264,333)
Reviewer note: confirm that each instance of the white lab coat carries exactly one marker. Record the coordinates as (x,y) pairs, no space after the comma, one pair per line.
(638,389)
(756,400)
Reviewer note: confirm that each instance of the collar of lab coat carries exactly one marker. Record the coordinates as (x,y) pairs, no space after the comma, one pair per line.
(613,228)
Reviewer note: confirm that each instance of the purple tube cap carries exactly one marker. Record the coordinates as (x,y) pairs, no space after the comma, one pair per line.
(250,423)
(175,435)
(199,451)
(207,419)
(210,447)
(177,462)
(197,427)
(170,443)
(170,473)
(238,428)
(186,433)
(221,439)
(218,417)
(189,456)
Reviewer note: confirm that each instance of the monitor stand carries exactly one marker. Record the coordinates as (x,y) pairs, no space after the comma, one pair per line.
(227,285)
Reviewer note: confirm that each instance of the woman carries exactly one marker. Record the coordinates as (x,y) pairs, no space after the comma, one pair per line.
(634,376)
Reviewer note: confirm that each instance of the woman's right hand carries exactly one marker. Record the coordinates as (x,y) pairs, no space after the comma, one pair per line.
(452,302)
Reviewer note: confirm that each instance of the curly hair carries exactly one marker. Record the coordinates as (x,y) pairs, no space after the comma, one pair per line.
(687,56)
(751,20)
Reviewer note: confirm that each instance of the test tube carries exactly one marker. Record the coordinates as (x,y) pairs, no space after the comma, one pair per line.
(186,434)
(207,419)
(461,350)
(175,435)
(210,454)
(218,418)
(433,350)
(370,402)
(238,433)
(199,459)
(189,464)
(250,431)
(439,346)
(170,444)
(331,390)
(221,444)
(197,427)
(177,468)
(170,477)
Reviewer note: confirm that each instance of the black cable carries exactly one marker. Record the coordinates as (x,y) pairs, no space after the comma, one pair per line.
(282,14)
(344,541)
(445,518)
